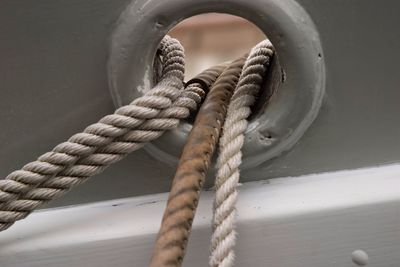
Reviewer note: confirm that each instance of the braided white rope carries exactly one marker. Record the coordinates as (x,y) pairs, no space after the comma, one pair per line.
(101,144)
(230,157)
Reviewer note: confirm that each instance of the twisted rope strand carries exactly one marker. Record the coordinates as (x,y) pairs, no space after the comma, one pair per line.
(230,157)
(80,146)
(101,144)
(92,164)
(173,235)
(95,163)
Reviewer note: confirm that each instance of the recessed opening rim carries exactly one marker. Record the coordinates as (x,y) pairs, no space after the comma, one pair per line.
(286,24)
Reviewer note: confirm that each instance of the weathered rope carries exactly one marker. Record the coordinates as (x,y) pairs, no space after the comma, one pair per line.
(145,119)
(106,142)
(230,156)
(80,146)
(193,165)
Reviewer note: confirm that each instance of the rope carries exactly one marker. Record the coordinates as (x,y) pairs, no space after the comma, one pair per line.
(145,119)
(193,165)
(230,157)
(106,142)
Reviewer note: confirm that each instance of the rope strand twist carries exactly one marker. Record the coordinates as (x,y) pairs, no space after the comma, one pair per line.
(88,153)
(230,156)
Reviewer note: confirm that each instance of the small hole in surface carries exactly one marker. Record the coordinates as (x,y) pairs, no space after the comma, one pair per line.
(159,24)
(213,38)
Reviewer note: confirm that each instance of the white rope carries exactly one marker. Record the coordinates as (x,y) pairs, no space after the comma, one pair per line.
(101,144)
(230,157)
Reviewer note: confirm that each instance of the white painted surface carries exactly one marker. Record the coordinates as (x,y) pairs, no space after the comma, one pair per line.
(315,220)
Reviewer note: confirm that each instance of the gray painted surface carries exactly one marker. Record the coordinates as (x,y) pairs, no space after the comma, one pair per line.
(312,221)
(53,82)
(298,94)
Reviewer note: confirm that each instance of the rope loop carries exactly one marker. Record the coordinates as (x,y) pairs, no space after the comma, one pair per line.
(85,154)
(234,89)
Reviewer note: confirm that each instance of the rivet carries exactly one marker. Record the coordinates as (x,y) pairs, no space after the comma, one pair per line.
(360,257)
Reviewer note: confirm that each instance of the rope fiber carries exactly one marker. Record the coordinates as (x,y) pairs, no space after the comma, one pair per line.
(233,90)
(230,156)
(101,144)
(181,207)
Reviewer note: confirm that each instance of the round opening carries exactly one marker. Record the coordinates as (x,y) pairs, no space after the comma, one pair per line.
(279,119)
(213,38)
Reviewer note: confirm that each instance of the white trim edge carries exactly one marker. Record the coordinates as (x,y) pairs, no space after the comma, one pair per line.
(314,220)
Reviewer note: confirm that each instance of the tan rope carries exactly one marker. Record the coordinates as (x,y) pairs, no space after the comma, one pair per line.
(190,175)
